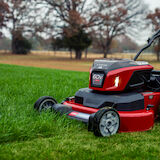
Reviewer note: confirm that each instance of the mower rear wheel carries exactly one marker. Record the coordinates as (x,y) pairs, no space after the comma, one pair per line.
(106,122)
(45,103)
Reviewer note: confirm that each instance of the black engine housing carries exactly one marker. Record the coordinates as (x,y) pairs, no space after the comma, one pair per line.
(129,101)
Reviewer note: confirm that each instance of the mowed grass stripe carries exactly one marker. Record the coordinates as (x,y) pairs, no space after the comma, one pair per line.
(25,134)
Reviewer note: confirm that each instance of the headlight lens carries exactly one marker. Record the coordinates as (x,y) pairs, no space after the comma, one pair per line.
(116,81)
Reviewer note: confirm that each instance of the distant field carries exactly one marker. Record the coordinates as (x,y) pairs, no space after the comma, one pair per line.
(61,60)
(145,56)
(62,54)
(25,134)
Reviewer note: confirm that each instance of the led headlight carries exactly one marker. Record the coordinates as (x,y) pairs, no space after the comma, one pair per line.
(116,81)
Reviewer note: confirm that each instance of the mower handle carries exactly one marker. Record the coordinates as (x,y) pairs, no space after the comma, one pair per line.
(157,33)
(150,41)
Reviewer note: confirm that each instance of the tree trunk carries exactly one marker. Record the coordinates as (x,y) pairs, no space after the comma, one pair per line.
(86,53)
(13,32)
(106,53)
(107,48)
(78,54)
(55,52)
(71,53)
(13,47)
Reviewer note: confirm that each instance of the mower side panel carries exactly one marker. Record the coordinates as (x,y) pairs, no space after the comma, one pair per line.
(152,101)
(131,121)
(136,121)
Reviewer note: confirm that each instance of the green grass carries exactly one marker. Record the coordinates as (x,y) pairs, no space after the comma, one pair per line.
(25,134)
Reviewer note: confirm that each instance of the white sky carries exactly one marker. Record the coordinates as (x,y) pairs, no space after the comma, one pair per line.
(145,34)
(153,3)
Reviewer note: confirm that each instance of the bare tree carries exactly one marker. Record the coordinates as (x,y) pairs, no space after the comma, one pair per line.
(154,18)
(3,11)
(19,18)
(115,17)
(72,18)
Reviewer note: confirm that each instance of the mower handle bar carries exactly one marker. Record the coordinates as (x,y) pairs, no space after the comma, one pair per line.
(150,41)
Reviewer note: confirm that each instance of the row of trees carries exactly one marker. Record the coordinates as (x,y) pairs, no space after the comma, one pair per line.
(73,24)
(155,21)
(3,10)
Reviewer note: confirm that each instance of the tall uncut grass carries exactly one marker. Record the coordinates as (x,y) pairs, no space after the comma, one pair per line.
(26,134)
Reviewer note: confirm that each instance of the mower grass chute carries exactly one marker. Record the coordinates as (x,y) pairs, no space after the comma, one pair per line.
(123,96)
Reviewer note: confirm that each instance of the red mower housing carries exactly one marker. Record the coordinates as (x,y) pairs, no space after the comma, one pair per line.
(118,75)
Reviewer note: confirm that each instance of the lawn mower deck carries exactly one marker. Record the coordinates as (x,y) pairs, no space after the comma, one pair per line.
(123,96)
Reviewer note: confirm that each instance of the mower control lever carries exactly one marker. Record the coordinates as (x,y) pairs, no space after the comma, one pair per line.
(150,41)
(156,35)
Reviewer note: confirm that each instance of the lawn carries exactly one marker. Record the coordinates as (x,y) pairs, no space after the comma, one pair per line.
(25,134)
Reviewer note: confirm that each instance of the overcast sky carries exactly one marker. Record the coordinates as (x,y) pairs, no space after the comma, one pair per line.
(153,3)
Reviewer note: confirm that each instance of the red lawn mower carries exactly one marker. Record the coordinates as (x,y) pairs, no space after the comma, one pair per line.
(123,96)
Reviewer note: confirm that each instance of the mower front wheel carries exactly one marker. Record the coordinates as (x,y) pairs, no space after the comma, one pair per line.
(106,122)
(45,103)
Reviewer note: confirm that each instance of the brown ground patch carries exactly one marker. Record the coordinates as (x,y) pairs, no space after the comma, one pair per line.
(46,62)
(61,60)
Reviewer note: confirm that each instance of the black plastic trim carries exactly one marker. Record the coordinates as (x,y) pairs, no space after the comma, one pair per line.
(129,101)
(98,72)
(138,85)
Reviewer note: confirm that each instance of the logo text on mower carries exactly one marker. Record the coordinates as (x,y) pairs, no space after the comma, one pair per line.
(97,77)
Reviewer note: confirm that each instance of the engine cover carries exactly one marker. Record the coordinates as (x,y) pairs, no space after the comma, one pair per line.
(118,75)
(130,101)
